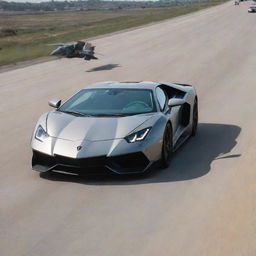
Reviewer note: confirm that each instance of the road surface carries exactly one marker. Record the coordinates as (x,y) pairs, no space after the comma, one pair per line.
(204,204)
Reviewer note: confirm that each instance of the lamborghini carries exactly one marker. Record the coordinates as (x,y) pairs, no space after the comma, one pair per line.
(115,127)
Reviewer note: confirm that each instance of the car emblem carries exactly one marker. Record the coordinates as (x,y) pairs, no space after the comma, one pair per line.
(79,148)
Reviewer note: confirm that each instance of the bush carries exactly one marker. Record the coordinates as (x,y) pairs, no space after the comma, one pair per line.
(8,32)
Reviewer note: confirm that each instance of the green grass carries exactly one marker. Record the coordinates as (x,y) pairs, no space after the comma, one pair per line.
(25,37)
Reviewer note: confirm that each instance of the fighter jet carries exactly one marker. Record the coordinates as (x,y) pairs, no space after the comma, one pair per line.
(79,49)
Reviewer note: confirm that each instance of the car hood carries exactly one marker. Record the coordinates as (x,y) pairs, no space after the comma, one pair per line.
(70,127)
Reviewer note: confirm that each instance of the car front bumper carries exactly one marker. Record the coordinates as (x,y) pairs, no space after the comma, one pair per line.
(122,164)
(116,156)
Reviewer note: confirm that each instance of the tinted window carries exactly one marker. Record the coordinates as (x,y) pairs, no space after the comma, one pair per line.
(110,101)
(161,97)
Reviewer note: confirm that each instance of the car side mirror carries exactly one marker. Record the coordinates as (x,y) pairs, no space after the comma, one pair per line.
(174,102)
(54,103)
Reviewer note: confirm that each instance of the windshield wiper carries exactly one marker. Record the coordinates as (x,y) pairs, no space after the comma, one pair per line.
(120,114)
(74,113)
(109,115)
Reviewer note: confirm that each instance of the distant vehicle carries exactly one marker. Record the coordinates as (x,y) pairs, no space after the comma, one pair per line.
(119,127)
(237,2)
(79,49)
(252,8)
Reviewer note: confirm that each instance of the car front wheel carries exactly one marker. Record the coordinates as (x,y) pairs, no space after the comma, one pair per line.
(167,146)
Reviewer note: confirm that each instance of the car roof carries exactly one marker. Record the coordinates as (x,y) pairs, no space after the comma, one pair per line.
(139,85)
(130,85)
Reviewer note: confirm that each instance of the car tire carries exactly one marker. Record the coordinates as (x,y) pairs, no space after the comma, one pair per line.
(195,118)
(167,146)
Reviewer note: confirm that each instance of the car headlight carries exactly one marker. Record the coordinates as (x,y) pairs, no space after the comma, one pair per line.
(41,134)
(138,136)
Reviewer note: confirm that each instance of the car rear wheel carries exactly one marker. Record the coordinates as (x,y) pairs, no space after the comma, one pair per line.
(195,118)
(167,146)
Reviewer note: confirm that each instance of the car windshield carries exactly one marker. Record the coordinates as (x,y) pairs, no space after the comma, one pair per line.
(110,102)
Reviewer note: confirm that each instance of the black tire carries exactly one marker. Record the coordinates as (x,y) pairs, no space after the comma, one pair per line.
(195,118)
(167,146)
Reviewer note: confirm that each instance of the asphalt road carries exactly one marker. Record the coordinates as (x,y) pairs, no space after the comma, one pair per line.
(204,204)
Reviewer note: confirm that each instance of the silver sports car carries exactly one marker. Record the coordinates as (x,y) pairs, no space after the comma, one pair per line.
(118,127)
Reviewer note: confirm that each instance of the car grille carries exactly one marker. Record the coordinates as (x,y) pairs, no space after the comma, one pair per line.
(130,163)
